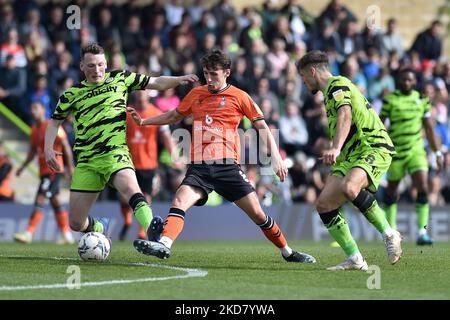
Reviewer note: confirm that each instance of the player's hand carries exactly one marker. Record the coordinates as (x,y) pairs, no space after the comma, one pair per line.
(136,117)
(189,78)
(280,169)
(329,156)
(50,159)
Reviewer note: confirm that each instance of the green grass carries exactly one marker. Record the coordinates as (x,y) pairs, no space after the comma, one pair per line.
(236,270)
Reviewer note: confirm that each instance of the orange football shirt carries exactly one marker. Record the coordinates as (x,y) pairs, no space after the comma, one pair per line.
(37,140)
(142,140)
(216,117)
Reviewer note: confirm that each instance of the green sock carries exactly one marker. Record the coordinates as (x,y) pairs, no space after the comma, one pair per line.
(339,230)
(391,215)
(375,215)
(98,227)
(143,214)
(422,211)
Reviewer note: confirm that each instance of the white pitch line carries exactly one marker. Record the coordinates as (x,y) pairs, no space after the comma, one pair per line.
(190,273)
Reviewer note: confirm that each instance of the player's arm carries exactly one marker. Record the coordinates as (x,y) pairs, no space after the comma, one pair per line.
(168,117)
(30,156)
(50,136)
(167,82)
(277,163)
(343,124)
(67,151)
(429,131)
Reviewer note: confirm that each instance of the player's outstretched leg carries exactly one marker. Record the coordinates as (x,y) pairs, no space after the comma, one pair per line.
(162,235)
(366,203)
(141,209)
(273,233)
(340,232)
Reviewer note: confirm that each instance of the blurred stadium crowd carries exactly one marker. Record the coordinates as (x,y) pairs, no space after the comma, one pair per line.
(39,59)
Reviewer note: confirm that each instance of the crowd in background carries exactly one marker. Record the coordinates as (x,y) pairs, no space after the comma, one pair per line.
(39,58)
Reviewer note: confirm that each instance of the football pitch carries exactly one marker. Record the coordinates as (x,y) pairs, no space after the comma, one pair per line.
(222,270)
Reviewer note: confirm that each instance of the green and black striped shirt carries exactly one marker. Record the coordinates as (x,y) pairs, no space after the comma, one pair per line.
(99,112)
(406,114)
(366,129)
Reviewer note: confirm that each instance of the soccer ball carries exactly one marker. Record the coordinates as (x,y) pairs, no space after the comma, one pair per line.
(94,246)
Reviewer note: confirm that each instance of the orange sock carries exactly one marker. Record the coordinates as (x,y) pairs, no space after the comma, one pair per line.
(141,233)
(273,232)
(35,218)
(62,219)
(174,224)
(127,214)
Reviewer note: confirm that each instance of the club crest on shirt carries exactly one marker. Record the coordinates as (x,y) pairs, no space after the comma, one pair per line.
(208,119)
(338,95)
(222,102)
(109,80)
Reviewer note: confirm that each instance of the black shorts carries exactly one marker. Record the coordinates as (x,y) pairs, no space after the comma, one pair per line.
(145,180)
(49,185)
(228,180)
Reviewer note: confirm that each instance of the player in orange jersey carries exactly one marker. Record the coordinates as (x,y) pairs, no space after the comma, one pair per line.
(217,109)
(143,145)
(6,193)
(49,185)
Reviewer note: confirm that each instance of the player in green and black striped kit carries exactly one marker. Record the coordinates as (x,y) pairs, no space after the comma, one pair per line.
(98,105)
(408,113)
(360,154)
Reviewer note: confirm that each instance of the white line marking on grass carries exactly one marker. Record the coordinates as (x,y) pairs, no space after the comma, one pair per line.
(190,273)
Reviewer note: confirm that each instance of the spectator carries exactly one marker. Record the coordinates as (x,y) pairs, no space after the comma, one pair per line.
(133,40)
(33,25)
(391,40)
(174,12)
(167,100)
(222,10)
(207,24)
(351,41)
(277,61)
(337,13)
(40,93)
(252,32)
(107,30)
(155,56)
(196,9)
(62,70)
(428,44)
(264,92)
(7,21)
(12,47)
(33,47)
(56,27)
(293,132)
(12,85)
(351,70)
